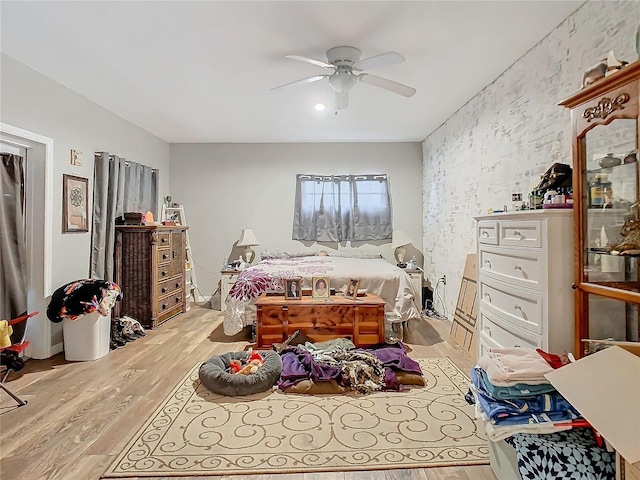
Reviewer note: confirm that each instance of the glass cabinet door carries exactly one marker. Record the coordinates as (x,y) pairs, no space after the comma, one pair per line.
(611,233)
(611,214)
(610,320)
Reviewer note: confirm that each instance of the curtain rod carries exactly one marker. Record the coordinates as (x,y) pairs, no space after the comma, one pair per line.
(15,144)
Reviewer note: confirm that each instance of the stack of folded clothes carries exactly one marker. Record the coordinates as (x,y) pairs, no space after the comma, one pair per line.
(513,396)
(519,405)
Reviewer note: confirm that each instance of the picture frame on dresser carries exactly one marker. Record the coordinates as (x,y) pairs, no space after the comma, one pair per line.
(352,288)
(320,287)
(293,288)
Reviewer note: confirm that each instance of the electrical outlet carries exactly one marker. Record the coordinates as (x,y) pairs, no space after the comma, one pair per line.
(516,197)
(444,279)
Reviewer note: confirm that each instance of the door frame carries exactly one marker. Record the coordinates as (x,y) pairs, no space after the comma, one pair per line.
(40,342)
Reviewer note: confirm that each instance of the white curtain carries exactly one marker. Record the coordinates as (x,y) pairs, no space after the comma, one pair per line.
(344,207)
(119,186)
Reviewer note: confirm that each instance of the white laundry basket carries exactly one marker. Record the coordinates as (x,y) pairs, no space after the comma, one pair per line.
(86,338)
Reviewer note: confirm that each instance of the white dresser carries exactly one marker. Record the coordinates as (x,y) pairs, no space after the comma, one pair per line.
(525,273)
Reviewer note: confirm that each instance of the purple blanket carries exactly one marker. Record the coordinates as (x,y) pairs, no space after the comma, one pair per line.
(298,364)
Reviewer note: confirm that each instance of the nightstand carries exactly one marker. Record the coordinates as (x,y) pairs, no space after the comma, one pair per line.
(229,278)
(416,279)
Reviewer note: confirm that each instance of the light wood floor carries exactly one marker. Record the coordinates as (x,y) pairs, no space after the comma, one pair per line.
(80,415)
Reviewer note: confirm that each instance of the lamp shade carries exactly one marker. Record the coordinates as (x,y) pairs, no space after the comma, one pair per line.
(399,239)
(247,238)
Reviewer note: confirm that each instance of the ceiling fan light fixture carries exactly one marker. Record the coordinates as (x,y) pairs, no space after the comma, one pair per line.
(342,81)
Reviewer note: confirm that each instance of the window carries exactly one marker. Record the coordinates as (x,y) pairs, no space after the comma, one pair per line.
(340,208)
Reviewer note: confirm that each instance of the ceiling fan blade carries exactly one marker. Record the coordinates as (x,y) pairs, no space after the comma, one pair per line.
(389,58)
(313,61)
(342,100)
(304,80)
(395,87)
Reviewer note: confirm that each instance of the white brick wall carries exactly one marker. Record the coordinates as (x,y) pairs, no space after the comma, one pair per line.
(506,136)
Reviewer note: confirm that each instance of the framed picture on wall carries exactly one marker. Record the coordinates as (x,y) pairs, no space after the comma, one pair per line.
(75,204)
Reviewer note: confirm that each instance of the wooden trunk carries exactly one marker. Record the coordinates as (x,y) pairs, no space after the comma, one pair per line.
(360,320)
(150,270)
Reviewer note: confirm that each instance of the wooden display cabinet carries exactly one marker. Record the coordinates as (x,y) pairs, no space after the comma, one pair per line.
(606,209)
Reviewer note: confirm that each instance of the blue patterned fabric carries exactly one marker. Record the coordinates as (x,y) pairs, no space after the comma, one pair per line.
(568,455)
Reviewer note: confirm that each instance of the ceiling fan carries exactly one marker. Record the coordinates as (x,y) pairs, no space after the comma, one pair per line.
(344,61)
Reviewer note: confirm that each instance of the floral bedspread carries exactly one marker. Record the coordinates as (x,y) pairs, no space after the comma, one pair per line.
(377,276)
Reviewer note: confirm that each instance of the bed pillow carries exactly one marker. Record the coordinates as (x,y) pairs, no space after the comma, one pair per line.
(355,254)
(281,254)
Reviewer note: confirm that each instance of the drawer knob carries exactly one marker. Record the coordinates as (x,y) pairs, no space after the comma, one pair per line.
(164,240)
(163,273)
(163,290)
(164,256)
(488,297)
(488,330)
(517,346)
(518,267)
(487,263)
(485,233)
(517,307)
(517,233)
(164,306)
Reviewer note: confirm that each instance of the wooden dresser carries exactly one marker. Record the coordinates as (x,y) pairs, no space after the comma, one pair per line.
(150,270)
(361,320)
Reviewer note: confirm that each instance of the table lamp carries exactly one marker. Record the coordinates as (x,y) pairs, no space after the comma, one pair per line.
(399,240)
(247,240)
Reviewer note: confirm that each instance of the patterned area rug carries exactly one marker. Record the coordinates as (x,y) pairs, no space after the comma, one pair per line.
(196,432)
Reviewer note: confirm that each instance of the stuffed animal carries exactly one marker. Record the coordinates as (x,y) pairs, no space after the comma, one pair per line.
(254,361)
(235,366)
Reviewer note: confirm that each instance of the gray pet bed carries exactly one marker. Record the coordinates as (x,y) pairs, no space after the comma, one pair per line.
(213,374)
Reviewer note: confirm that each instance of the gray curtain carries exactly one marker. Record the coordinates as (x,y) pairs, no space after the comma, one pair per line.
(13,247)
(340,208)
(119,186)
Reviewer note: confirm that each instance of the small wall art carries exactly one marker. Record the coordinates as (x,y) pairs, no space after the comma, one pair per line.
(75,205)
(76,158)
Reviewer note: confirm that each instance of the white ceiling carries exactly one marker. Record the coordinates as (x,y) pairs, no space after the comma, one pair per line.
(202,71)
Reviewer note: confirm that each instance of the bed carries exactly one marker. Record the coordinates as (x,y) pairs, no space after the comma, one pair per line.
(377,276)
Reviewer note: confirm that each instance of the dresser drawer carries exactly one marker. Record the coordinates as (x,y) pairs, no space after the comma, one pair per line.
(499,334)
(488,232)
(521,307)
(168,286)
(164,272)
(521,233)
(163,255)
(163,239)
(512,265)
(169,303)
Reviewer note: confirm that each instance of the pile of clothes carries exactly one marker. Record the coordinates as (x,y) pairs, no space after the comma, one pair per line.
(519,405)
(337,366)
(513,395)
